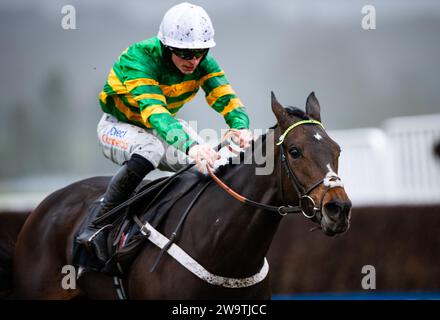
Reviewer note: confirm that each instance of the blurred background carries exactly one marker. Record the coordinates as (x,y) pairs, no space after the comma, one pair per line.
(378,89)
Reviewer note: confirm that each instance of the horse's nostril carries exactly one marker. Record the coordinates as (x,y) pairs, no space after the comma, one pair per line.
(332,208)
(335,208)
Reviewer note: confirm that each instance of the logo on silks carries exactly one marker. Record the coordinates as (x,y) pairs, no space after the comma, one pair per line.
(114,137)
(115,132)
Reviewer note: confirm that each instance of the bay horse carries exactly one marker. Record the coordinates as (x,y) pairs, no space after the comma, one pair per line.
(11,222)
(225,236)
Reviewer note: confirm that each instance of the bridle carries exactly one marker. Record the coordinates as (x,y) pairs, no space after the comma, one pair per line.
(302,193)
(306,202)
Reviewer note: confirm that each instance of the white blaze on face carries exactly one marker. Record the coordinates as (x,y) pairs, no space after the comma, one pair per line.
(317,136)
(331,179)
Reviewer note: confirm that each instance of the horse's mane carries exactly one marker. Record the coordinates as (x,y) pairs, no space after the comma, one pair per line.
(296,112)
(291,111)
(261,140)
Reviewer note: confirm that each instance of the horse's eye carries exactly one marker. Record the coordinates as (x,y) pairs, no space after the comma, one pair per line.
(295,152)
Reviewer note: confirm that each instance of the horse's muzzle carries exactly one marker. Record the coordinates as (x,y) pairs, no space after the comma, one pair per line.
(336,217)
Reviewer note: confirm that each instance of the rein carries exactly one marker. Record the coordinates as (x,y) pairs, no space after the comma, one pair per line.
(303,195)
(283,210)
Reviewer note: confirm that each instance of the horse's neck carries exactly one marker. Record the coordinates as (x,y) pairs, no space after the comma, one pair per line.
(246,232)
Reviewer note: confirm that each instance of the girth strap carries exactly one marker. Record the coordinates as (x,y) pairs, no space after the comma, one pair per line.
(194,267)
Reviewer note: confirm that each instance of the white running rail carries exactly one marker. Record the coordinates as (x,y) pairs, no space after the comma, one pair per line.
(393,165)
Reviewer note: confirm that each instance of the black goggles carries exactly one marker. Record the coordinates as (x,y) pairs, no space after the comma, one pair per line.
(189,54)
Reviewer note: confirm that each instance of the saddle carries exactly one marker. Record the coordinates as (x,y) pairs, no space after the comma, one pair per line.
(122,237)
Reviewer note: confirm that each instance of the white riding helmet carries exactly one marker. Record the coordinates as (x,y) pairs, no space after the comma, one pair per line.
(186,26)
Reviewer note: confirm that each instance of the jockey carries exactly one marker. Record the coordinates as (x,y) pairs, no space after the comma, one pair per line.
(147,86)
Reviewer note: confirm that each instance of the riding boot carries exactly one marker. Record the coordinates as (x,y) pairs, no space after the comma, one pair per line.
(121,186)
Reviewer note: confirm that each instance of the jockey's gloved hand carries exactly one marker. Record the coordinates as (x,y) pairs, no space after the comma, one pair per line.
(242,137)
(201,153)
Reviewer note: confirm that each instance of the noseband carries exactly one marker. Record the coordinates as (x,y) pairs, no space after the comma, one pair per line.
(306,202)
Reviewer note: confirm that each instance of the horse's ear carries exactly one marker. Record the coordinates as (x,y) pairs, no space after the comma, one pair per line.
(278,110)
(312,107)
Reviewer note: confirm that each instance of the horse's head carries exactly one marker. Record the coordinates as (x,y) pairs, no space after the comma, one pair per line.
(309,166)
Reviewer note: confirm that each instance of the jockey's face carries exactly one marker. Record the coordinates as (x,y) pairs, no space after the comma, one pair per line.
(186,66)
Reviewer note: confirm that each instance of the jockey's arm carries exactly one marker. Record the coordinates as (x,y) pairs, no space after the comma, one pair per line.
(223,99)
(171,131)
